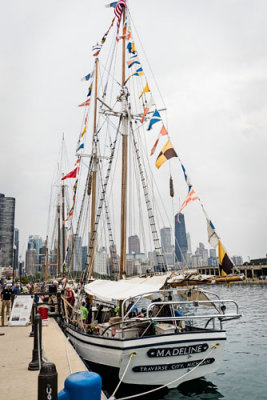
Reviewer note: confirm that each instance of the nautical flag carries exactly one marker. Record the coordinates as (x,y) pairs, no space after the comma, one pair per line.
(139,72)
(166,153)
(83,132)
(213,238)
(75,186)
(154,147)
(225,263)
(163,131)
(191,196)
(131,48)
(154,119)
(71,174)
(118,12)
(111,4)
(86,103)
(147,108)
(96,49)
(145,90)
(90,90)
(87,77)
(85,119)
(187,179)
(80,147)
(132,62)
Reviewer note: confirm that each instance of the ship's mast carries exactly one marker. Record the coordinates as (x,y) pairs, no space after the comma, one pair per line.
(124,161)
(58,240)
(93,188)
(63,223)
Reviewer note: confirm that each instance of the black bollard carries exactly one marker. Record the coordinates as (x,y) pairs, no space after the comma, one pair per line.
(47,382)
(34,365)
(34,311)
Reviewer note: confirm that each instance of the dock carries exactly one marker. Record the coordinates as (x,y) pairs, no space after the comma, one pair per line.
(16,347)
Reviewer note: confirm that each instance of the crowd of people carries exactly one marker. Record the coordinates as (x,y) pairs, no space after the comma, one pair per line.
(46,292)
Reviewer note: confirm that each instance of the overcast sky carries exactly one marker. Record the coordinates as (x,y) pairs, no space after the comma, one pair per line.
(209,58)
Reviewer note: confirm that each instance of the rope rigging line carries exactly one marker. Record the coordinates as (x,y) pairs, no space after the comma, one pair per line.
(151,218)
(101,200)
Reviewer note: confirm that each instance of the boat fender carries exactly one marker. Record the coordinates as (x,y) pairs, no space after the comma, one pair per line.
(113,332)
(97,330)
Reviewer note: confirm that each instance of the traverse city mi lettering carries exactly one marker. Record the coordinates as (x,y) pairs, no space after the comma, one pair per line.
(168,367)
(177,351)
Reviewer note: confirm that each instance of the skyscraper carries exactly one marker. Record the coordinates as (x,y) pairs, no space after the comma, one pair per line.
(181,245)
(7,219)
(134,244)
(166,240)
(167,247)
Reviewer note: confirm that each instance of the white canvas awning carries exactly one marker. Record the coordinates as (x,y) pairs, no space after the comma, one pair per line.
(122,289)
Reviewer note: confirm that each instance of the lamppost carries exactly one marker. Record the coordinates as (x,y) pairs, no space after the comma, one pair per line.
(14,254)
(20,272)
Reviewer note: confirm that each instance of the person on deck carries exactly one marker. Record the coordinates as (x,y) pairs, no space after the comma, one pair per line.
(84,312)
(133,308)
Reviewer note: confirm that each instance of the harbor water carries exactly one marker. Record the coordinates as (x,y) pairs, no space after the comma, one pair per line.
(243,373)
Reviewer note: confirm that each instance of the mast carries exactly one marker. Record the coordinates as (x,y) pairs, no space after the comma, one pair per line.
(63,223)
(124,161)
(93,188)
(58,240)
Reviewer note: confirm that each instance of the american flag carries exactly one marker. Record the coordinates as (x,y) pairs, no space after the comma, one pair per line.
(118,12)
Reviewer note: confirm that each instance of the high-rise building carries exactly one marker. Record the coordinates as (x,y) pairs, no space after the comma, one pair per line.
(181,245)
(36,242)
(101,262)
(134,244)
(188,238)
(203,253)
(237,260)
(7,220)
(30,261)
(167,247)
(16,242)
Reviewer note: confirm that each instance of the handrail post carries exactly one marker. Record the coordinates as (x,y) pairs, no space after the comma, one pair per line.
(35,364)
(34,311)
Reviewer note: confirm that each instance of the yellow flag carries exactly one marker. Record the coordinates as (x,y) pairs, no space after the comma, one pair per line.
(145,90)
(166,153)
(83,132)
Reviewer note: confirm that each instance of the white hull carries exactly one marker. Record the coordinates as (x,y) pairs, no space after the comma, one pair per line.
(158,360)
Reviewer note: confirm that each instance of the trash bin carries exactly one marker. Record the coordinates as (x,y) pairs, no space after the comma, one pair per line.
(42,309)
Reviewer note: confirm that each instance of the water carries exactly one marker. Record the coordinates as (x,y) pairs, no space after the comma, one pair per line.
(243,373)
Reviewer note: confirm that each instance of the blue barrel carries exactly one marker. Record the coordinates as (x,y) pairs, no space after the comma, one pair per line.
(81,386)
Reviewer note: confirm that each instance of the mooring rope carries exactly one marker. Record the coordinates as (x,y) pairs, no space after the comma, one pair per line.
(123,375)
(171,382)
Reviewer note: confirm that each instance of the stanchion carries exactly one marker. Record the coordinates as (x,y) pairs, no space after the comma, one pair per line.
(47,382)
(81,386)
(35,364)
(34,311)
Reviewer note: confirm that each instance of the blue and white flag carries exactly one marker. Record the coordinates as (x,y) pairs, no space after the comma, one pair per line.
(80,147)
(154,119)
(187,179)
(87,77)
(111,4)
